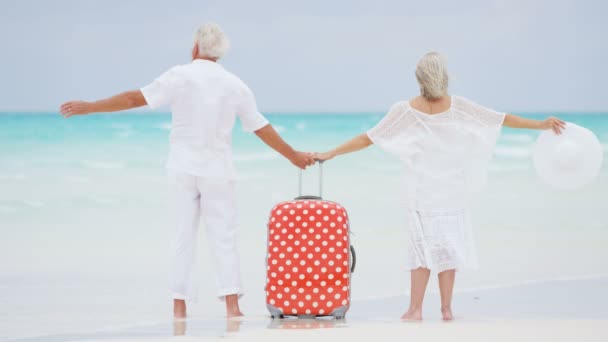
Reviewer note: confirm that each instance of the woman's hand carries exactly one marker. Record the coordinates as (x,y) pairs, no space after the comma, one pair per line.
(323,156)
(357,143)
(554,124)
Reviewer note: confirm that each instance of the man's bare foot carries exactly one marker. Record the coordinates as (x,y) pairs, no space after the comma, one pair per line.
(234,314)
(446,313)
(179,308)
(232,306)
(412,315)
(179,327)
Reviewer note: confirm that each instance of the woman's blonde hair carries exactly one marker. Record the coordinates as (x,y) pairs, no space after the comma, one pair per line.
(432,76)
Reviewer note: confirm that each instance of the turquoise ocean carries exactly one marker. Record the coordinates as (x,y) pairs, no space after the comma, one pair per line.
(84,219)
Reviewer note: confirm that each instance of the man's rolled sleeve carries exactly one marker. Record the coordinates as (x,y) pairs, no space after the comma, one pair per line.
(251,118)
(161,91)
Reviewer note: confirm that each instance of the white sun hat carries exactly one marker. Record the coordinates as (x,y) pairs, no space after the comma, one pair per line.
(570,160)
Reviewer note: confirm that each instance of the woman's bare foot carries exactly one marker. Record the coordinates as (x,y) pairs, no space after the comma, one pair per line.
(233,325)
(412,315)
(179,308)
(446,314)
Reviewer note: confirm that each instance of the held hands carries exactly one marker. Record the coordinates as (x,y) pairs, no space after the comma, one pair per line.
(554,124)
(302,159)
(74,108)
(305,159)
(323,156)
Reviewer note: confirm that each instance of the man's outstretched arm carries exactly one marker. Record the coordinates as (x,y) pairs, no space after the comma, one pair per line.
(127,100)
(270,136)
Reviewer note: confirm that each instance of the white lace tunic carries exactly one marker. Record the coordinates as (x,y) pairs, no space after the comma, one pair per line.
(444,157)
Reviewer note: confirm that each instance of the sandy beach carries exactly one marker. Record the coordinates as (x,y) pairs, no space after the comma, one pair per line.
(509,330)
(558,310)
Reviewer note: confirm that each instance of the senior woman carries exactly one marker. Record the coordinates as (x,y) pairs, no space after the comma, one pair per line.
(444,143)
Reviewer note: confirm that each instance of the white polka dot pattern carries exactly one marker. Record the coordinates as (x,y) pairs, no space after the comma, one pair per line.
(307,263)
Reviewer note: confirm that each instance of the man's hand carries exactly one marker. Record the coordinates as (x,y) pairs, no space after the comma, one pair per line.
(302,159)
(554,124)
(271,138)
(75,108)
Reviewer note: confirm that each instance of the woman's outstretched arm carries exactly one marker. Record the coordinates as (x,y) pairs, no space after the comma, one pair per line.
(515,121)
(357,143)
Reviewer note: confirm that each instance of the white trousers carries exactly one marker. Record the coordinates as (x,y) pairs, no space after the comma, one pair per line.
(193,199)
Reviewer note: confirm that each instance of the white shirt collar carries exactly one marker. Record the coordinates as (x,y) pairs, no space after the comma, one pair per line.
(206,62)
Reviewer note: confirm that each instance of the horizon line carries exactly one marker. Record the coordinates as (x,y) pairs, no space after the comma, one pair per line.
(301,112)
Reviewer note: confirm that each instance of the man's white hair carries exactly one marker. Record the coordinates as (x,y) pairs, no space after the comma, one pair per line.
(211,40)
(432,76)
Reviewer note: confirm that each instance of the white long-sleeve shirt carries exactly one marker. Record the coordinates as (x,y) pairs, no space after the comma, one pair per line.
(444,155)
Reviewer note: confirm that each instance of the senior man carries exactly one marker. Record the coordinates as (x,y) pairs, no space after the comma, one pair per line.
(205,100)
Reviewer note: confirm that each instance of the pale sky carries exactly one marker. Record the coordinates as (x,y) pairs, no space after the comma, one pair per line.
(314,55)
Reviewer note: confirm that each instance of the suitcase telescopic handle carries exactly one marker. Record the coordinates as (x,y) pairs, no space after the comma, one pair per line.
(300,196)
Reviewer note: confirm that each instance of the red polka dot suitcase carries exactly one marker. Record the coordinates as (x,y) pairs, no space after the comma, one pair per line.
(309,258)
